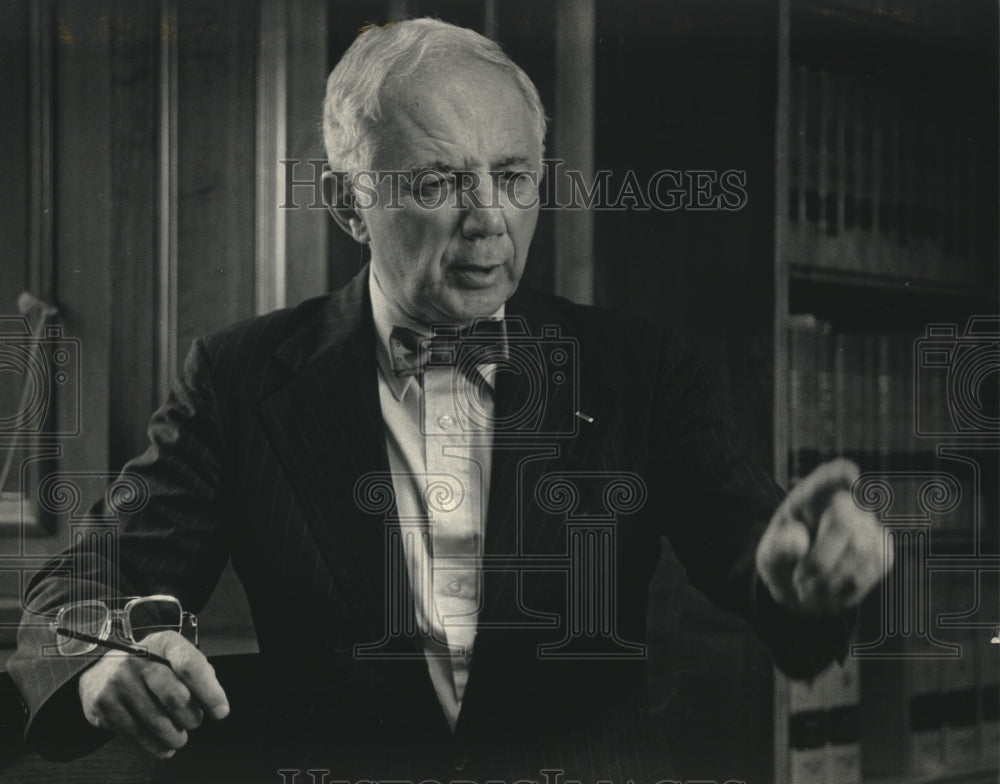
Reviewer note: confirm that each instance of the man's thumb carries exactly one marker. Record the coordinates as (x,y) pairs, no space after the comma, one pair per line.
(782,548)
(812,495)
(791,543)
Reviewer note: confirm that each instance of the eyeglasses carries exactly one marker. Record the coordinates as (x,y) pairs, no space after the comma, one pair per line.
(140,617)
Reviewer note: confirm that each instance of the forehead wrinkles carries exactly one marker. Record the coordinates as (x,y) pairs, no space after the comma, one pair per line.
(416,127)
(461,113)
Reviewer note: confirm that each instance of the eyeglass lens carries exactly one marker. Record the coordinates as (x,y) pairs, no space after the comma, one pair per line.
(85,617)
(153,615)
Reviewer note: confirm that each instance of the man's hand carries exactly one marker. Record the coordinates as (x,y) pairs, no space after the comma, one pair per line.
(820,553)
(148,702)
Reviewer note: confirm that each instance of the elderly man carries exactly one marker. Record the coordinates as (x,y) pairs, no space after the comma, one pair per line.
(398,472)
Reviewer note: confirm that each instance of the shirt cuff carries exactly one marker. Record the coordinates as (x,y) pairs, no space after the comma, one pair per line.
(801,645)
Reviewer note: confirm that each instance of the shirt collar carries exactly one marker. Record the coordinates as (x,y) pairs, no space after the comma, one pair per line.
(387,314)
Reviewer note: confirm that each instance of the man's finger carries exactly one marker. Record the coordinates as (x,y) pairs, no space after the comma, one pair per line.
(147,712)
(193,669)
(830,542)
(813,494)
(127,708)
(116,717)
(846,584)
(174,696)
(780,552)
(845,561)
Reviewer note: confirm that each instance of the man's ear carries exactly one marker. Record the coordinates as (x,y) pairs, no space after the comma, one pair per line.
(339,200)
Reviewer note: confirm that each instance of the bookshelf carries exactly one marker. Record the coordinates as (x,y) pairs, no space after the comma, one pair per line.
(876,218)
(885,349)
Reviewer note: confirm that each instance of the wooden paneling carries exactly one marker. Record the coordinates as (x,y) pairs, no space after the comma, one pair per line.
(307,229)
(271,129)
(573,142)
(690,87)
(464,13)
(215,143)
(14,158)
(83,216)
(134,35)
(292,224)
(15,66)
(346,256)
(216,116)
(526,30)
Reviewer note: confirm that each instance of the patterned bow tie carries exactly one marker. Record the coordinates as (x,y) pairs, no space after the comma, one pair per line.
(466,349)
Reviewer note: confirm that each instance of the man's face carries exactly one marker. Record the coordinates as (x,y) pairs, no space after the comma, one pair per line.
(453,248)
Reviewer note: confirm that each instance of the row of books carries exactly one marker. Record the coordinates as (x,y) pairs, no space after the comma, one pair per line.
(823,714)
(885,399)
(887,402)
(862,394)
(934,707)
(882,181)
(921,714)
(953,704)
(930,15)
(824,740)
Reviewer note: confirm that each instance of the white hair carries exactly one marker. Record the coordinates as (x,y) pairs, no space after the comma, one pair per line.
(352,105)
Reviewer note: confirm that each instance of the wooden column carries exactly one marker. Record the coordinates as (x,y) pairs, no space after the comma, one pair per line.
(573,142)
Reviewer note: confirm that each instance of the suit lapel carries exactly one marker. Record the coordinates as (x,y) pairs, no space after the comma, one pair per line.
(326,427)
(554,440)
(325,424)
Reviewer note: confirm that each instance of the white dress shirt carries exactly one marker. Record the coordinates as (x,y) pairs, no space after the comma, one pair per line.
(440,460)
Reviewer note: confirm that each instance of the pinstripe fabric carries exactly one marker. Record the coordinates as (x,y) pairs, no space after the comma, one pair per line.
(256,455)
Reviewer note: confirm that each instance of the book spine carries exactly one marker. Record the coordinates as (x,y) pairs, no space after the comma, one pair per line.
(885,403)
(989,689)
(811,165)
(831,235)
(925,686)
(908,369)
(959,205)
(844,748)
(808,730)
(826,413)
(890,224)
(853,407)
(823,164)
(802,397)
(909,265)
(796,149)
(960,676)
(926,709)
(855,241)
(868,446)
(976,269)
(841,177)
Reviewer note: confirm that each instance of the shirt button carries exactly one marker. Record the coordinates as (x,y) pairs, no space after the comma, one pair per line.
(454,587)
(445,422)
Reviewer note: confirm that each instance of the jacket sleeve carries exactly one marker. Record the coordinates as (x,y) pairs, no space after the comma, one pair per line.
(171,539)
(718,501)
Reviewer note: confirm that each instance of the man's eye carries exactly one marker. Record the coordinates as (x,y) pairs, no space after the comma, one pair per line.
(431,184)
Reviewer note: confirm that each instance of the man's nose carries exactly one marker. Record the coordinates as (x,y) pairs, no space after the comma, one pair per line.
(482,213)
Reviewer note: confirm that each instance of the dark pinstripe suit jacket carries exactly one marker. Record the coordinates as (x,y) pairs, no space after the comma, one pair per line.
(257,455)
